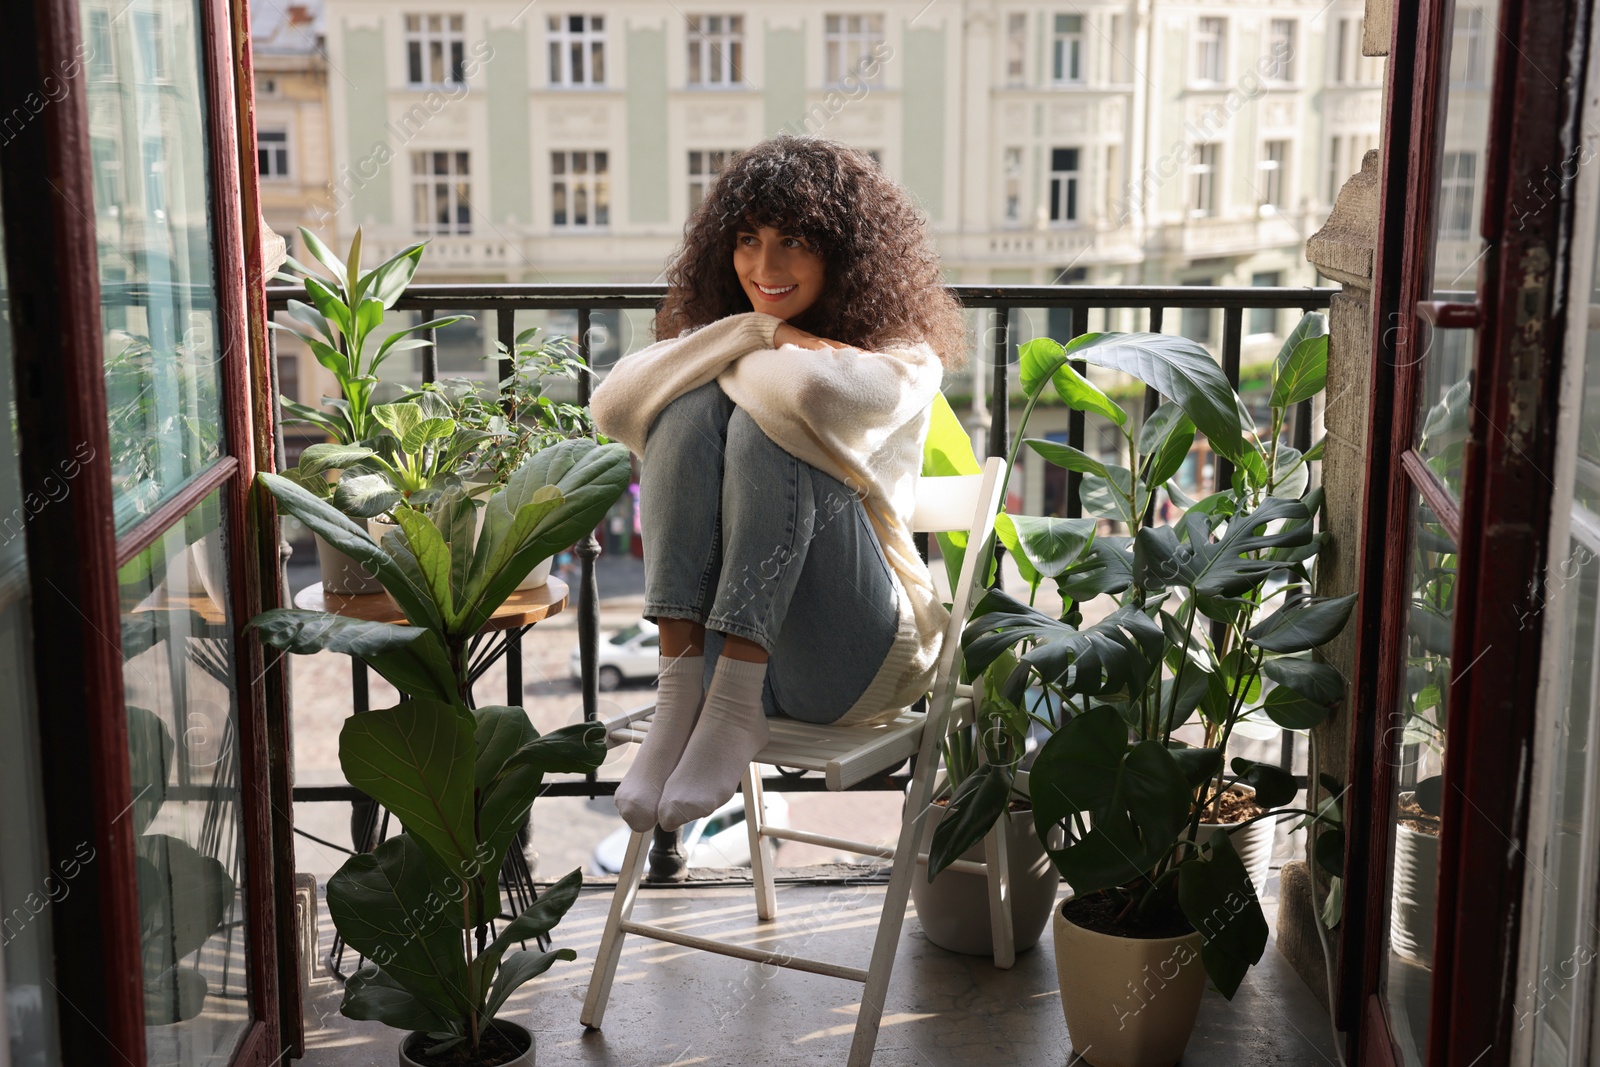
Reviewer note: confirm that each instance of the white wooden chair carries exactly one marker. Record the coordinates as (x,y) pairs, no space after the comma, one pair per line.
(847,755)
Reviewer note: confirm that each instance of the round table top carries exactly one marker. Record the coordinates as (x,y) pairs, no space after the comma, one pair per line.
(523,607)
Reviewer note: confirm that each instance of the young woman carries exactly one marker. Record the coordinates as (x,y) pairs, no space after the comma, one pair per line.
(780,427)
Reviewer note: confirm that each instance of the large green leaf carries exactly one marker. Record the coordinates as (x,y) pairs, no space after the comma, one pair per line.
(326,520)
(1319,682)
(1115,657)
(979,802)
(518,969)
(1052,545)
(409,657)
(1186,556)
(1303,624)
(400,909)
(505,788)
(1274,786)
(150,749)
(1166,437)
(432,554)
(1219,900)
(947,451)
(188,898)
(1301,369)
(389,279)
(416,760)
(328,456)
(1107,567)
(1037,361)
(1072,459)
(1111,497)
(372,995)
(542,915)
(1179,369)
(1005,530)
(1136,795)
(366,496)
(1199,765)
(1080,394)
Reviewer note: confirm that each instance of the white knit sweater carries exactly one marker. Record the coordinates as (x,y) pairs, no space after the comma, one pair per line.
(860,416)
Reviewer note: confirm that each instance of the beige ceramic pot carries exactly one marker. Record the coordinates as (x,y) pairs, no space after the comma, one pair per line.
(1129,1001)
(1416,883)
(954,908)
(517,1034)
(343,575)
(539,576)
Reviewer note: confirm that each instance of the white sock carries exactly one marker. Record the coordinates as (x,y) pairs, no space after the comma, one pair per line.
(678,696)
(731,730)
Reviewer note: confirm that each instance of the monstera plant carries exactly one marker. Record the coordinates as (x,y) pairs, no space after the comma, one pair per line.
(460,779)
(1210,623)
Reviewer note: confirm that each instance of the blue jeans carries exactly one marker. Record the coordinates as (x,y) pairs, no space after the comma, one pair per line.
(748,540)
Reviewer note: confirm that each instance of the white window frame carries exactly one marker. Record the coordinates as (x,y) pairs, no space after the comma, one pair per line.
(274,142)
(589,41)
(1016,46)
(703,166)
(454,183)
(1011,174)
(427,31)
(1284,31)
(574,171)
(851,43)
(1204,171)
(1067,51)
(1272,186)
(714,46)
(1210,50)
(1066,187)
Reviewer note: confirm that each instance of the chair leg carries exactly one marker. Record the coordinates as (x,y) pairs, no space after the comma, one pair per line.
(610,952)
(760,859)
(999,871)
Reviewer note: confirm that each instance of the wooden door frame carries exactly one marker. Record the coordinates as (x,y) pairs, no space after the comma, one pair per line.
(1503,519)
(73,549)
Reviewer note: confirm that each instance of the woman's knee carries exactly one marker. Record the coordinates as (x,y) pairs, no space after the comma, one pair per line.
(703,407)
(746,437)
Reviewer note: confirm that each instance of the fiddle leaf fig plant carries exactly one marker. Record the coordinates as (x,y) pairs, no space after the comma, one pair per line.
(1211,623)
(460,779)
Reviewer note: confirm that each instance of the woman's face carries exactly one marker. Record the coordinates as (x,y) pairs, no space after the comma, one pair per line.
(781,274)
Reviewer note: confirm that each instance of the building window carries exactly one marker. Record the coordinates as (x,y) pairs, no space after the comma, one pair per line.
(1013,186)
(716,50)
(1272,184)
(852,44)
(577,46)
(1335,171)
(1209,40)
(272,153)
(436,48)
(1457,182)
(1265,320)
(1110,179)
(441,192)
(150,45)
(1016,48)
(1350,67)
(1467,61)
(1063,185)
(704,166)
(1282,36)
(1196,322)
(1203,181)
(102,60)
(580,194)
(1066,50)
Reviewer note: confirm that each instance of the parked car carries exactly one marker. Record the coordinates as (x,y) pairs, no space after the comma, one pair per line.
(632,654)
(719,840)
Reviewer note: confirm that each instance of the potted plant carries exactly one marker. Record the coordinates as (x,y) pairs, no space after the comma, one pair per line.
(460,779)
(1207,611)
(345,315)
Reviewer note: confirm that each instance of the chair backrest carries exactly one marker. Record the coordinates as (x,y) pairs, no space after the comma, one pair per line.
(959,502)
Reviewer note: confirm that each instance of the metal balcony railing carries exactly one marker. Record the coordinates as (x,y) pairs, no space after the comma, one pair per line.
(505,300)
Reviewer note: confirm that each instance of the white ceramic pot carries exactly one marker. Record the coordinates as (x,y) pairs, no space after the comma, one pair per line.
(1416,882)
(540,575)
(517,1033)
(343,575)
(954,908)
(1253,842)
(1129,1001)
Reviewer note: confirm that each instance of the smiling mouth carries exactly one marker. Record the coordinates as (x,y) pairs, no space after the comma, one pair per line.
(775,293)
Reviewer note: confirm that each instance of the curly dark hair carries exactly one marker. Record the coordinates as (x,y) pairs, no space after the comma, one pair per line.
(882,281)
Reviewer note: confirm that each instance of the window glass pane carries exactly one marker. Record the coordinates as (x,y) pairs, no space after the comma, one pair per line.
(28,884)
(157,283)
(1458,202)
(1415,741)
(183,749)
(1444,403)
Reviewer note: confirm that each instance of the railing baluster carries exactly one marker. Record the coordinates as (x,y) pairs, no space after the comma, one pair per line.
(1000,408)
(1232,335)
(588,552)
(1076,429)
(1152,400)
(505,327)
(430,358)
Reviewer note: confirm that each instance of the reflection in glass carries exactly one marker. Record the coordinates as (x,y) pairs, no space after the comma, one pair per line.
(1415,743)
(28,884)
(184,756)
(152,210)
(1444,404)
(1458,201)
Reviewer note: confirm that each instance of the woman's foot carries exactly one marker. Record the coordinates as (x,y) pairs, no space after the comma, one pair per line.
(678,698)
(731,730)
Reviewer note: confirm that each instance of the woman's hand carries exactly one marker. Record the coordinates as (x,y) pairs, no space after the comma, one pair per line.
(793,335)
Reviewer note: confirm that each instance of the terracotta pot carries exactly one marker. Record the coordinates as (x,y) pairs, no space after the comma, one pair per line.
(343,575)
(1416,881)
(954,908)
(517,1034)
(1129,1001)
